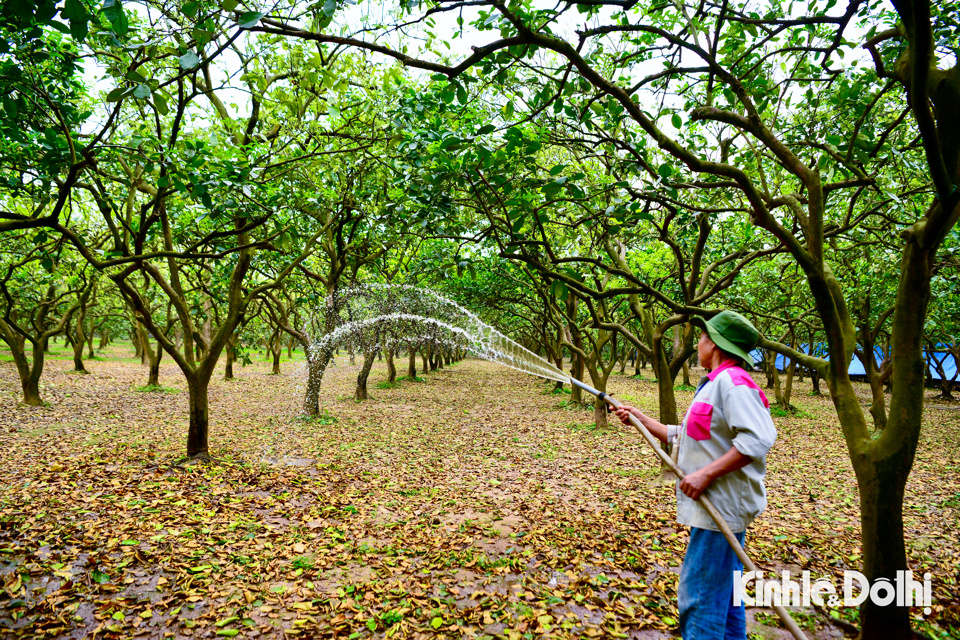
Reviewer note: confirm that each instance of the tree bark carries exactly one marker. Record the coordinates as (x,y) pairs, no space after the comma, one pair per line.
(231,358)
(276,360)
(79,342)
(199,415)
(368,360)
(317,361)
(391,367)
(411,363)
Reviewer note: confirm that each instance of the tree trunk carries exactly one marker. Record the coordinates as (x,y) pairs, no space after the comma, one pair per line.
(31,390)
(558,359)
(576,371)
(277,353)
(878,407)
(90,337)
(600,413)
(28,372)
(391,367)
(231,351)
(665,382)
(135,339)
(946,386)
(153,359)
(770,368)
(104,339)
(788,386)
(424,360)
(153,379)
(199,415)
(368,360)
(79,342)
(412,363)
(777,391)
(316,365)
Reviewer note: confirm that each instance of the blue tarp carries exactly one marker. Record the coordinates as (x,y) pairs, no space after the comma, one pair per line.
(856,367)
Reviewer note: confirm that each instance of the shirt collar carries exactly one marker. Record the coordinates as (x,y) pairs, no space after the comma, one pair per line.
(726,364)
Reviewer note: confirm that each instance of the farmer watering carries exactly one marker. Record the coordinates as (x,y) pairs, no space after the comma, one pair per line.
(723,444)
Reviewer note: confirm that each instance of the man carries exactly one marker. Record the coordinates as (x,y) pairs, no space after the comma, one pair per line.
(723,444)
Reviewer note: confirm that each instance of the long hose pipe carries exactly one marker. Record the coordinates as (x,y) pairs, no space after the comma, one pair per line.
(788,622)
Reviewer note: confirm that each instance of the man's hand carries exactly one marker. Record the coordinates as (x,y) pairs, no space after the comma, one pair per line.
(658,430)
(623,412)
(696,483)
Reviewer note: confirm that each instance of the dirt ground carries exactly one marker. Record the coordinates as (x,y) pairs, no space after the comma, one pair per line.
(476,502)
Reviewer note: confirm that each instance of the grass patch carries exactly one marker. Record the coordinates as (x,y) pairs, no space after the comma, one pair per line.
(156,388)
(547,452)
(413,379)
(684,387)
(793,412)
(952,501)
(324,418)
(585,427)
(632,473)
(386,384)
(573,406)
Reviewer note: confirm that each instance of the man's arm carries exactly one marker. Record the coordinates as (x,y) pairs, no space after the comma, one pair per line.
(658,430)
(697,482)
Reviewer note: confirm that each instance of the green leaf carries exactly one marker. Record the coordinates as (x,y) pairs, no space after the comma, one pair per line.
(228,632)
(437,622)
(665,170)
(485,129)
(161,104)
(249,19)
(142,92)
(557,169)
(677,123)
(114,12)
(118,94)
(189,60)
(74,10)
(226,621)
(230,5)
(134,76)
(189,9)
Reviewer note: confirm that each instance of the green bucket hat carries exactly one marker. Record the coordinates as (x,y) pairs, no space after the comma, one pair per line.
(731,332)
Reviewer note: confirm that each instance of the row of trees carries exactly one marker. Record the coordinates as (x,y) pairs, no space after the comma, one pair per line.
(592,177)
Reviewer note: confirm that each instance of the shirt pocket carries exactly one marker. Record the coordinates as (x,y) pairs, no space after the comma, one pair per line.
(698,422)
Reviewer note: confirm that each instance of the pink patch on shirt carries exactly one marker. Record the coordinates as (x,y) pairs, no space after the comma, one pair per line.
(739,376)
(698,421)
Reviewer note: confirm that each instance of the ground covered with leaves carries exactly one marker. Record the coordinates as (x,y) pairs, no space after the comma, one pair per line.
(473,502)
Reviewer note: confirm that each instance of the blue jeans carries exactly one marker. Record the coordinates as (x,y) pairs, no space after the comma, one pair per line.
(706,589)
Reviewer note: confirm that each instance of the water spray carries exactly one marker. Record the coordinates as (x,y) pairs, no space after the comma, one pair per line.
(748,564)
(372,315)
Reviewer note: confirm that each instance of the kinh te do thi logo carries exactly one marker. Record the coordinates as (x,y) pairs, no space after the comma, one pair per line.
(904,591)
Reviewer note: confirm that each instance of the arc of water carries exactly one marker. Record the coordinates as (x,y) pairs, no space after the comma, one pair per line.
(488,343)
